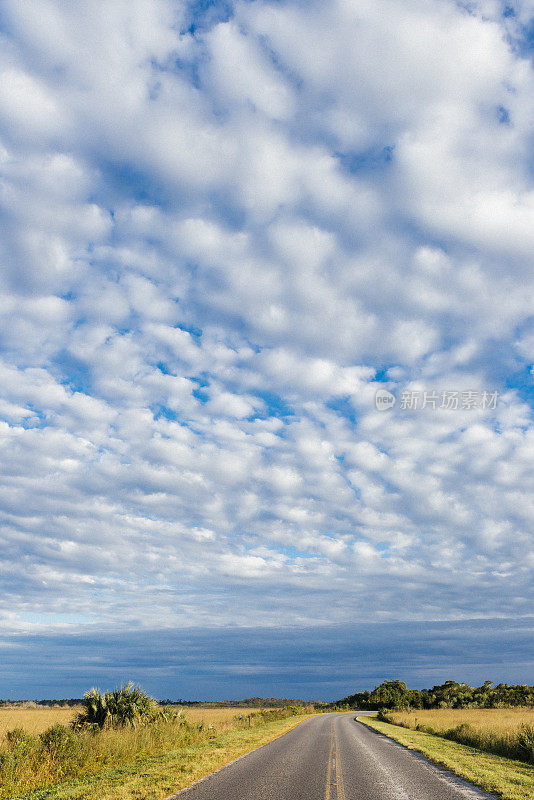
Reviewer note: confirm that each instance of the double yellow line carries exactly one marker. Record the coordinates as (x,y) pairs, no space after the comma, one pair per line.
(334,775)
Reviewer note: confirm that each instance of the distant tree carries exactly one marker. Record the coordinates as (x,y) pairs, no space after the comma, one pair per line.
(394,694)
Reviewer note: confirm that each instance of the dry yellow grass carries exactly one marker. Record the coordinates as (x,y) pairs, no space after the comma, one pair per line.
(498,720)
(33,720)
(37,720)
(221,718)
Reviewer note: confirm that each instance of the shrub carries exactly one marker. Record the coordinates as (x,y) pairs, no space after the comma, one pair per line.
(95,711)
(129,705)
(58,740)
(19,739)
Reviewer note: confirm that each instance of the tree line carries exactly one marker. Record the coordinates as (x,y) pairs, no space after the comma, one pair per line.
(395,694)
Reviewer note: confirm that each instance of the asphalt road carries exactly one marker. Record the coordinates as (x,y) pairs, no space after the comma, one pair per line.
(331,757)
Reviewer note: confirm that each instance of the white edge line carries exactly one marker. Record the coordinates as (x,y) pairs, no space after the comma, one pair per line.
(446,772)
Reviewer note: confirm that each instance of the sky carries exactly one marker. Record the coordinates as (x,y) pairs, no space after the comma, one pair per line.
(225,227)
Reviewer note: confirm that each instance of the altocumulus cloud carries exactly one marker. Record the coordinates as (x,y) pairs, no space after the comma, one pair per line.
(226,225)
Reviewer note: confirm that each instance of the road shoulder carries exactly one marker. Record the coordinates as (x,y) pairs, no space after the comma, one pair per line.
(503,777)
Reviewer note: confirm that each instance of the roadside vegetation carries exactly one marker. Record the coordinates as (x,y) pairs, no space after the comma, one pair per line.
(36,719)
(508,778)
(504,732)
(120,733)
(221,718)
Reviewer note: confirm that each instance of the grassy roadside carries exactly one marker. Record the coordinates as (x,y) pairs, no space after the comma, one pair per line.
(157,777)
(503,777)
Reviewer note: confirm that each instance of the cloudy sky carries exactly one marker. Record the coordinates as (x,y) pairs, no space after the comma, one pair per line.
(226,225)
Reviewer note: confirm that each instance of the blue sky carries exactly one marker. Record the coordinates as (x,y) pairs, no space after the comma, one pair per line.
(225,226)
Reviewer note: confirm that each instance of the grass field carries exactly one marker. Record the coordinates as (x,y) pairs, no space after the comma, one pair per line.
(504,777)
(499,720)
(33,720)
(503,731)
(37,720)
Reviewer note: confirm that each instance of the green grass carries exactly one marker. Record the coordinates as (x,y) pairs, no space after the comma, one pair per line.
(157,777)
(503,777)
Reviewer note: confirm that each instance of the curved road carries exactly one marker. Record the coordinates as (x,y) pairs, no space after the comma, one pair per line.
(331,757)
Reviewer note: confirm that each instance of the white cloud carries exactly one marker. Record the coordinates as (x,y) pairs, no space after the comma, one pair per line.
(240,73)
(218,245)
(28,108)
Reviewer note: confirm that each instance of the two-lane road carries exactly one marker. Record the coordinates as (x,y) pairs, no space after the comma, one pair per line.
(331,757)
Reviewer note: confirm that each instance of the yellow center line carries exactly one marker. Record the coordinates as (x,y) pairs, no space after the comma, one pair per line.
(334,774)
(329,765)
(339,773)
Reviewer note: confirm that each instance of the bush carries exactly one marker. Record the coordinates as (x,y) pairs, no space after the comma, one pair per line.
(19,739)
(95,711)
(129,705)
(58,740)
